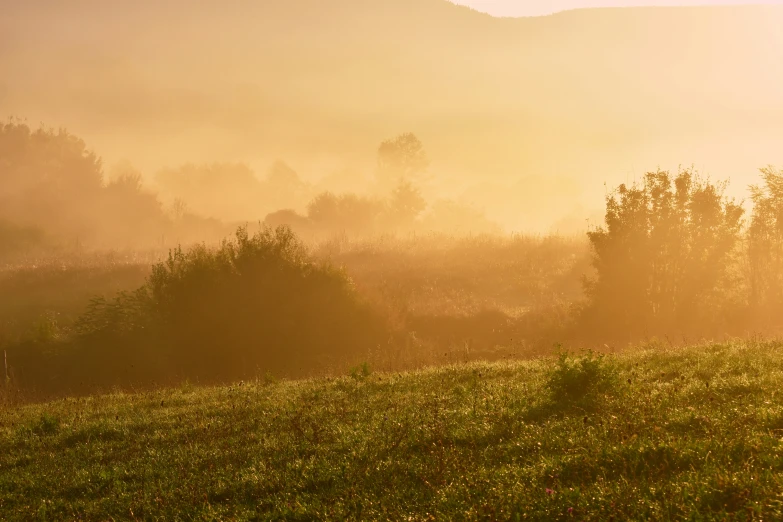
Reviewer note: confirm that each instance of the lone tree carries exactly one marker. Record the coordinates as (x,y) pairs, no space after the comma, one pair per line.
(401,159)
(662,260)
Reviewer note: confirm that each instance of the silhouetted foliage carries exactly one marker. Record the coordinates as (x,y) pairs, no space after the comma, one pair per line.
(663,258)
(346,213)
(401,159)
(48,178)
(765,246)
(405,205)
(131,212)
(257,301)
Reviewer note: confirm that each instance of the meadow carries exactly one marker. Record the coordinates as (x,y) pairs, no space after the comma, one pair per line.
(656,433)
(389,260)
(372,358)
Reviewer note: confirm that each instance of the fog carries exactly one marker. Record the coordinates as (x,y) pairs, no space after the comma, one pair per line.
(524,119)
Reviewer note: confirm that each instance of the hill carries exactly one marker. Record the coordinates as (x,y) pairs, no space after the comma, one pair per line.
(651,434)
(514,112)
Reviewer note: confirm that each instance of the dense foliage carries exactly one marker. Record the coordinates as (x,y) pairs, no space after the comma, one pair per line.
(663,261)
(256,302)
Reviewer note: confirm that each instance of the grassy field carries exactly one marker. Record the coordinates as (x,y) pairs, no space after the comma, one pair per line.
(655,433)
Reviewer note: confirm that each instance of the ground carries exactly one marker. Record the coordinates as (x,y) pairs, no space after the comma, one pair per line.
(654,433)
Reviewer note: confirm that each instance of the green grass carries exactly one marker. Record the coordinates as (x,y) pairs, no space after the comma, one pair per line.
(657,434)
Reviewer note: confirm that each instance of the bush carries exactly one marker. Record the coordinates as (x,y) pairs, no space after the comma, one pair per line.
(254,302)
(664,261)
(582,378)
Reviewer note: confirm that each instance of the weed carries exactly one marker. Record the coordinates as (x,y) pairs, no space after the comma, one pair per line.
(46,424)
(582,378)
(360,372)
(269,378)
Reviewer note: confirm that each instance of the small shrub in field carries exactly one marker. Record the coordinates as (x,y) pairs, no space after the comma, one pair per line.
(46,425)
(361,372)
(269,378)
(579,378)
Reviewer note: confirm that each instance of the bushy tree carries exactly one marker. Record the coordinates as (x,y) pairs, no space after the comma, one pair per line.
(405,205)
(131,215)
(348,213)
(48,178)
(401,159)
(284,188)
(765,244)
(663,257)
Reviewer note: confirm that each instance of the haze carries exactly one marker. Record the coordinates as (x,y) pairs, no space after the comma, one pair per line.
(545,7)
(523,118)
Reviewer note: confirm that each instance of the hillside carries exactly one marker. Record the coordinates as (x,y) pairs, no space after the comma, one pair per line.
(506,107)
(653,434)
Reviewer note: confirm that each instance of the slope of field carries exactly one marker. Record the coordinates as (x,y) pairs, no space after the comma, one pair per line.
(664,434)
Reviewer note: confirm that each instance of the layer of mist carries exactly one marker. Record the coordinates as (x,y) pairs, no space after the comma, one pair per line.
(524,119)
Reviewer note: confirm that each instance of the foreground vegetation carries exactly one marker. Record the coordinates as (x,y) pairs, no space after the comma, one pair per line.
(656,433)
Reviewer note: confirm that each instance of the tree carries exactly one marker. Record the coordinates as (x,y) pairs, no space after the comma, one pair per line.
(765,243)
(663,258)
(284,188)
(405,205)
(131,215)
(48,178)
(401,159)
(347,213)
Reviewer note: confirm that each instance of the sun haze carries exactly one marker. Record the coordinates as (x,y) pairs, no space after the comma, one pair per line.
(516,8)
(391,260)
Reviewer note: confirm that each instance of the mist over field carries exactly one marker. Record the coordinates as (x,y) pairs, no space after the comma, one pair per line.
(524,118)
(390,260)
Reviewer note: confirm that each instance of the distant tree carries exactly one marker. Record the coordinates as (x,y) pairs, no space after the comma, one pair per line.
(663,257)
(290,218)
(765,244)
(131,214)
(281,175)
(405,205)
(179,208)
(284,188)
(401,159)
(48,178)
(348,213)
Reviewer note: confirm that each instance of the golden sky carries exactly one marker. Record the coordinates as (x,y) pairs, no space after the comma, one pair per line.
(543,7)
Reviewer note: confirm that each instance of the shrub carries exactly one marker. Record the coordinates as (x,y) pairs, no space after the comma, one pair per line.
(46,425)
(360,372)
(255,302)
(582,378)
